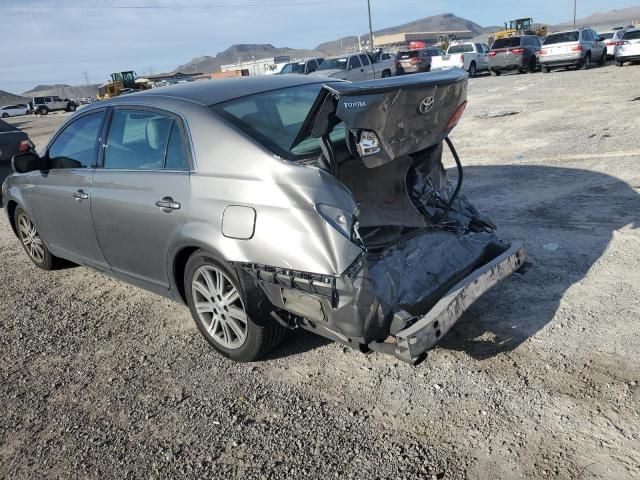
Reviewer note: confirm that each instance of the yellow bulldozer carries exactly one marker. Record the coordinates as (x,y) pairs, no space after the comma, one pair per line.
(120,84)
(519,26)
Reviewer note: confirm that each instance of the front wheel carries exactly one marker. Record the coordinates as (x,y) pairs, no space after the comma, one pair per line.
(5,115)
(472,69)
(43,110)
(231,312)
(32,242)
(71,107)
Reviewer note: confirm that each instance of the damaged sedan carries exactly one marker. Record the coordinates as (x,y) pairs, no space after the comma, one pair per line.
(272,203)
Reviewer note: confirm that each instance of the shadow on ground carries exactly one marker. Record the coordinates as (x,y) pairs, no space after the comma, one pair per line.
(566,218)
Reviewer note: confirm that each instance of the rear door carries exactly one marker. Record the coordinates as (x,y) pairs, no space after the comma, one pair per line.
(141,193)
(60,199)
(370,71)
(483,57)
(355,72)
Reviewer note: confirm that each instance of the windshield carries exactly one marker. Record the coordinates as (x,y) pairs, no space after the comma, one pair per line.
(506,42)
(275,118)
(293,68)
(562,37)
(460,49)
(334,63)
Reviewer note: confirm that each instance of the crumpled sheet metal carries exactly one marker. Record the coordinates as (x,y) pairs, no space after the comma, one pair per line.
(408,275)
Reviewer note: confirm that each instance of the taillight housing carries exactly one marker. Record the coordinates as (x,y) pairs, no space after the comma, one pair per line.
(455,118)
(462,59)
(25,146)
(492,53)
(618,44)
(543,52)
(577,48)
(517,51)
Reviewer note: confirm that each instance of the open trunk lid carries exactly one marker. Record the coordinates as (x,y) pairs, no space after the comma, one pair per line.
(405,114)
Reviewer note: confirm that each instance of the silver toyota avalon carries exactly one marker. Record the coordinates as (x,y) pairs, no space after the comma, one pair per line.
(271,203)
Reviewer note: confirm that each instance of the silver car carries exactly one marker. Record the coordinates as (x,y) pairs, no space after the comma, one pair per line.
(271,203)
(574,48)
(628,48)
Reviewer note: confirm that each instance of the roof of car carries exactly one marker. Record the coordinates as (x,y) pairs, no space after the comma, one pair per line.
(210,92)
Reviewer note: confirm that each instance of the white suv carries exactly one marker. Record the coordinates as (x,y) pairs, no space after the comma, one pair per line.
(628,49)
(44,105)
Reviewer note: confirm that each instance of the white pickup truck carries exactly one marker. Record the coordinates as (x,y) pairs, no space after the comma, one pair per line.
(472,57)
(358,66)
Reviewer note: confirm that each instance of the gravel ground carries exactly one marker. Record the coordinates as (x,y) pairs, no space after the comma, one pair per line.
(539,379)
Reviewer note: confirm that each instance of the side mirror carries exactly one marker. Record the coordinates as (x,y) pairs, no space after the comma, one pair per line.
(27,162)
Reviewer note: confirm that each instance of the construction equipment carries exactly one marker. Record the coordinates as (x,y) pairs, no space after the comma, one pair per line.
(122,83)
(519,26)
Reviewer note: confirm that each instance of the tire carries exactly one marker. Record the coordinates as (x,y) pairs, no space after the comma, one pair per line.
(533,66)
(603,60)
(546,70)
(496,73)
(586,63)
(472,69)
(231,312)
(43,110)
(71,107)
(386,74)
(619,63)
(5,115)
(33,243)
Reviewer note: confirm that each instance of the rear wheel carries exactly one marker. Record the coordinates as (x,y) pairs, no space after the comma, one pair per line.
(472,69)
(586,63)
(32,242)
(619,63)
(5,115)
(231,313)
(603,59)
(386,73)
(43,110)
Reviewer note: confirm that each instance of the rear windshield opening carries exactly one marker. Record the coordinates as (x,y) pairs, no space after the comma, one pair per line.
(460,49)
(562,37)
(506,43)
(275,118)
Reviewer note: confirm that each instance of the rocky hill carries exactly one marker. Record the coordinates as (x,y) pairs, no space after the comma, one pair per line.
(241,53)
(63,91)
(621,16)
(7,98)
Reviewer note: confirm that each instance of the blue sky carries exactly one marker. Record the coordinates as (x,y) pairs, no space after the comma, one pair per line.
(56,41)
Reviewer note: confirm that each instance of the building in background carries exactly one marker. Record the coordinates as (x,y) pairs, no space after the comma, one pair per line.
(165,79)
(259,66)
(400,41)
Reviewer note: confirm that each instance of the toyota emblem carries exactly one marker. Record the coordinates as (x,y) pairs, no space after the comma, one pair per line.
(426,105)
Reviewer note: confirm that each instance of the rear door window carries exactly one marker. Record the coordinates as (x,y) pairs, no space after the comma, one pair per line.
(354,62)
(144,140)
(77,145)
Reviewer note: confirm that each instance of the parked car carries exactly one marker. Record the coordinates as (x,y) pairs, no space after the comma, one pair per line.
(303,67)
(269,203)
(515,53)
(610,40)
(356,67)
(13,110)
(628,49)
(574,48)
(44,105)
(472,57)
(12,142)
(416,61)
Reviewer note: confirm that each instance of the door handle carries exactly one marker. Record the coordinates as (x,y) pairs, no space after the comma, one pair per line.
(80,195)
(167,204)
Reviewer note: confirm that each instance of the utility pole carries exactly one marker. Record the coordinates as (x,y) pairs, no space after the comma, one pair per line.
(86,78)
(574,13)
(370,27)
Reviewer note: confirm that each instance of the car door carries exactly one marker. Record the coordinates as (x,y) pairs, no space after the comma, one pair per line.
(483,55)
(60,199)
(368,69)
(355,72)
(141,193)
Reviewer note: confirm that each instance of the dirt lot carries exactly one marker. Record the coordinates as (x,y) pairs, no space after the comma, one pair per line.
(539,379)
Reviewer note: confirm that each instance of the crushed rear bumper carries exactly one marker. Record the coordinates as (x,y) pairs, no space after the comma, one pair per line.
(423,333)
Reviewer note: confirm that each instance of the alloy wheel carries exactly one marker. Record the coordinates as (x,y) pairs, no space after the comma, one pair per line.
(30,239)
(219,307)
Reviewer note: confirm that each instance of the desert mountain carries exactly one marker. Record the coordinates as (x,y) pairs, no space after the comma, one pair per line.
(7,98)
(63,91)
